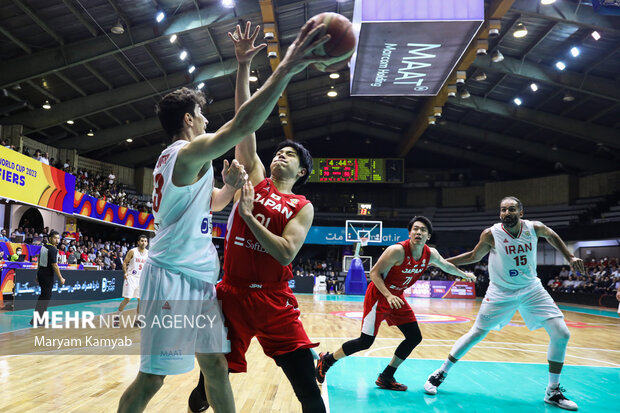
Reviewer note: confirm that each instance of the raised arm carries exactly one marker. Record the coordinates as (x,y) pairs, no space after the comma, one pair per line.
(254,112)
(283,248)
(393,255)
(480,250)
(440,262)
(543,231)
(234,177)
(245,152)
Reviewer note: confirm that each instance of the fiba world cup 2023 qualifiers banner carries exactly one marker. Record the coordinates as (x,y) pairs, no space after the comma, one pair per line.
(409,48)
(27,180)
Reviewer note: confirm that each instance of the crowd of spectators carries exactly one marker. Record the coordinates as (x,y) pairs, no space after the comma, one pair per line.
(602,277)
(91,183)
(78,248)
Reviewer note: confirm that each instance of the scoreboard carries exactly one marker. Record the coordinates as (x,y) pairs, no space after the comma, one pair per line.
(365,170)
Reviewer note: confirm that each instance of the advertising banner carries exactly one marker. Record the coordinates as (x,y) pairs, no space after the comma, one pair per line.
(7,276)
(336,236)
(27,180)
(91,207)
(409,48)
(441,289)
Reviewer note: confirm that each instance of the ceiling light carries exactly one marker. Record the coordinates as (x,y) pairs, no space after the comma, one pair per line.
(461,75)
(520,31)
(284,122)
(451,91)
(494,27)
(183,55)
(568,97)
(465,94)
(253,77)
(200,85)
(431,120)
(269,35)
(546,2)
(437,111)
(574,51)
(367,141)
(118,27)
(129,140)
(334,75)
(272,54)
(517,101)
(191,69)
(70,122)
(47,105)
(229,4)
(534,87)
(90,133)
(332,93)
(482,46)
(596,35)
(480,77)
(173,38)
(160,16)
(497,56)
(554,148)
(560,65)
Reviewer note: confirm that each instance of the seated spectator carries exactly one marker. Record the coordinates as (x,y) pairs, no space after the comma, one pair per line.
(554,283)
(18,252)
(45,158)
(37,155)
(567,285)
(563,273)
(3,237)
(72,257)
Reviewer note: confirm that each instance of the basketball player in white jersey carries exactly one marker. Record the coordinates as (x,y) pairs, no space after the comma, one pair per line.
(182,267)
(132,267)
(513,286)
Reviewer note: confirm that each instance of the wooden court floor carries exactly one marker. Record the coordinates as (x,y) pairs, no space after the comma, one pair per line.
(88,383)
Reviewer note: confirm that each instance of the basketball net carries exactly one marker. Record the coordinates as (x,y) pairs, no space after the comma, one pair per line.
(362,243)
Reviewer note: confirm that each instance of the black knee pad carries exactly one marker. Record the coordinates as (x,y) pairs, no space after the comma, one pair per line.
(413,337)
(362,343)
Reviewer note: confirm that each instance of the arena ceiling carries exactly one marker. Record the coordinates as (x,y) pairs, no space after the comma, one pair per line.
(63,52)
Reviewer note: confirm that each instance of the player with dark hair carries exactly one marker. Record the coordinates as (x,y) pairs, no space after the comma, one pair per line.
(132,269)
(182,268)
(266,229)
(514,285)
(397,269)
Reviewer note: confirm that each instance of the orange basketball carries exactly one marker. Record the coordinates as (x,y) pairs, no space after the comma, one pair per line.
(342,42)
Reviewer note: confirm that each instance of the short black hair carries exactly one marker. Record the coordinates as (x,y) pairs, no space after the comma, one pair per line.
(514,198)
(305,159)
(143,236)
(173,107)
(52,233)
(422,219)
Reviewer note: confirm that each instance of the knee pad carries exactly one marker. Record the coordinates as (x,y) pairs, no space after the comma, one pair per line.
(362,343)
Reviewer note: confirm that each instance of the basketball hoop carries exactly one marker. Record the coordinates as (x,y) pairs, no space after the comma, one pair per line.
(364,241)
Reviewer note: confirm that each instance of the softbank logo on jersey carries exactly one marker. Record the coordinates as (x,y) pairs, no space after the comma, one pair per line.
(271,203)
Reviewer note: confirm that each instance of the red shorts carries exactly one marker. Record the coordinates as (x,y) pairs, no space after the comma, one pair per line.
(271,316)
(377,309)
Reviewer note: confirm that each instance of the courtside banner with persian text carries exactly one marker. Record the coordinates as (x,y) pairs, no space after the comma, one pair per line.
(409,48)
(27,180)
(91,207)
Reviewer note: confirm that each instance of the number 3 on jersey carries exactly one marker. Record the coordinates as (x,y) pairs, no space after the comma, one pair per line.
(158,184)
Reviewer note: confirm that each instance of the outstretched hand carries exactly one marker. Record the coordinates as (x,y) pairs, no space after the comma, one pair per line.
(234,175)
(246,202)
(469,276)
(244,43)
(576,264)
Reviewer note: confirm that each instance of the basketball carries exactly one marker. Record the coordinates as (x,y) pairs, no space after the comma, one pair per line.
(342,42)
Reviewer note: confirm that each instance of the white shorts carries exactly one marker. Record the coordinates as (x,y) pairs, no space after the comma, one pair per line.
(499,305)
(182,317)
(131,287)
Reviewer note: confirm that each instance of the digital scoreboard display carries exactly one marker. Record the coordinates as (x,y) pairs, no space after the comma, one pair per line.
(364,209)
(365,170)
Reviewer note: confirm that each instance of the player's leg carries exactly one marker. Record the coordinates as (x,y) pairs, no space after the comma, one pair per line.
(372,318)
(46,283)
(298,366)
(140,392)
(413,337)
(217,385)
(496,311)
(123,303)
(539,310)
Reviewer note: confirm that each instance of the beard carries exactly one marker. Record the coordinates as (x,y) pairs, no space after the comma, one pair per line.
(509,221)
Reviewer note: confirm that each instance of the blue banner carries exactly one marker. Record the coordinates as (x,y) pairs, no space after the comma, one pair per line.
(336,236)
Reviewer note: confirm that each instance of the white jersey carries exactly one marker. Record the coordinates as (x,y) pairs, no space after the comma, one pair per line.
(512,260)
(183,225)
(136,263)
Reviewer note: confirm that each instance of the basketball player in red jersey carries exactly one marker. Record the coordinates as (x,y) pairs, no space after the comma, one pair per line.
(398,268)
(267,227)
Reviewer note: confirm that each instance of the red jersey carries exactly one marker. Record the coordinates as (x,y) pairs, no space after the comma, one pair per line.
(406,274)
(245,259)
